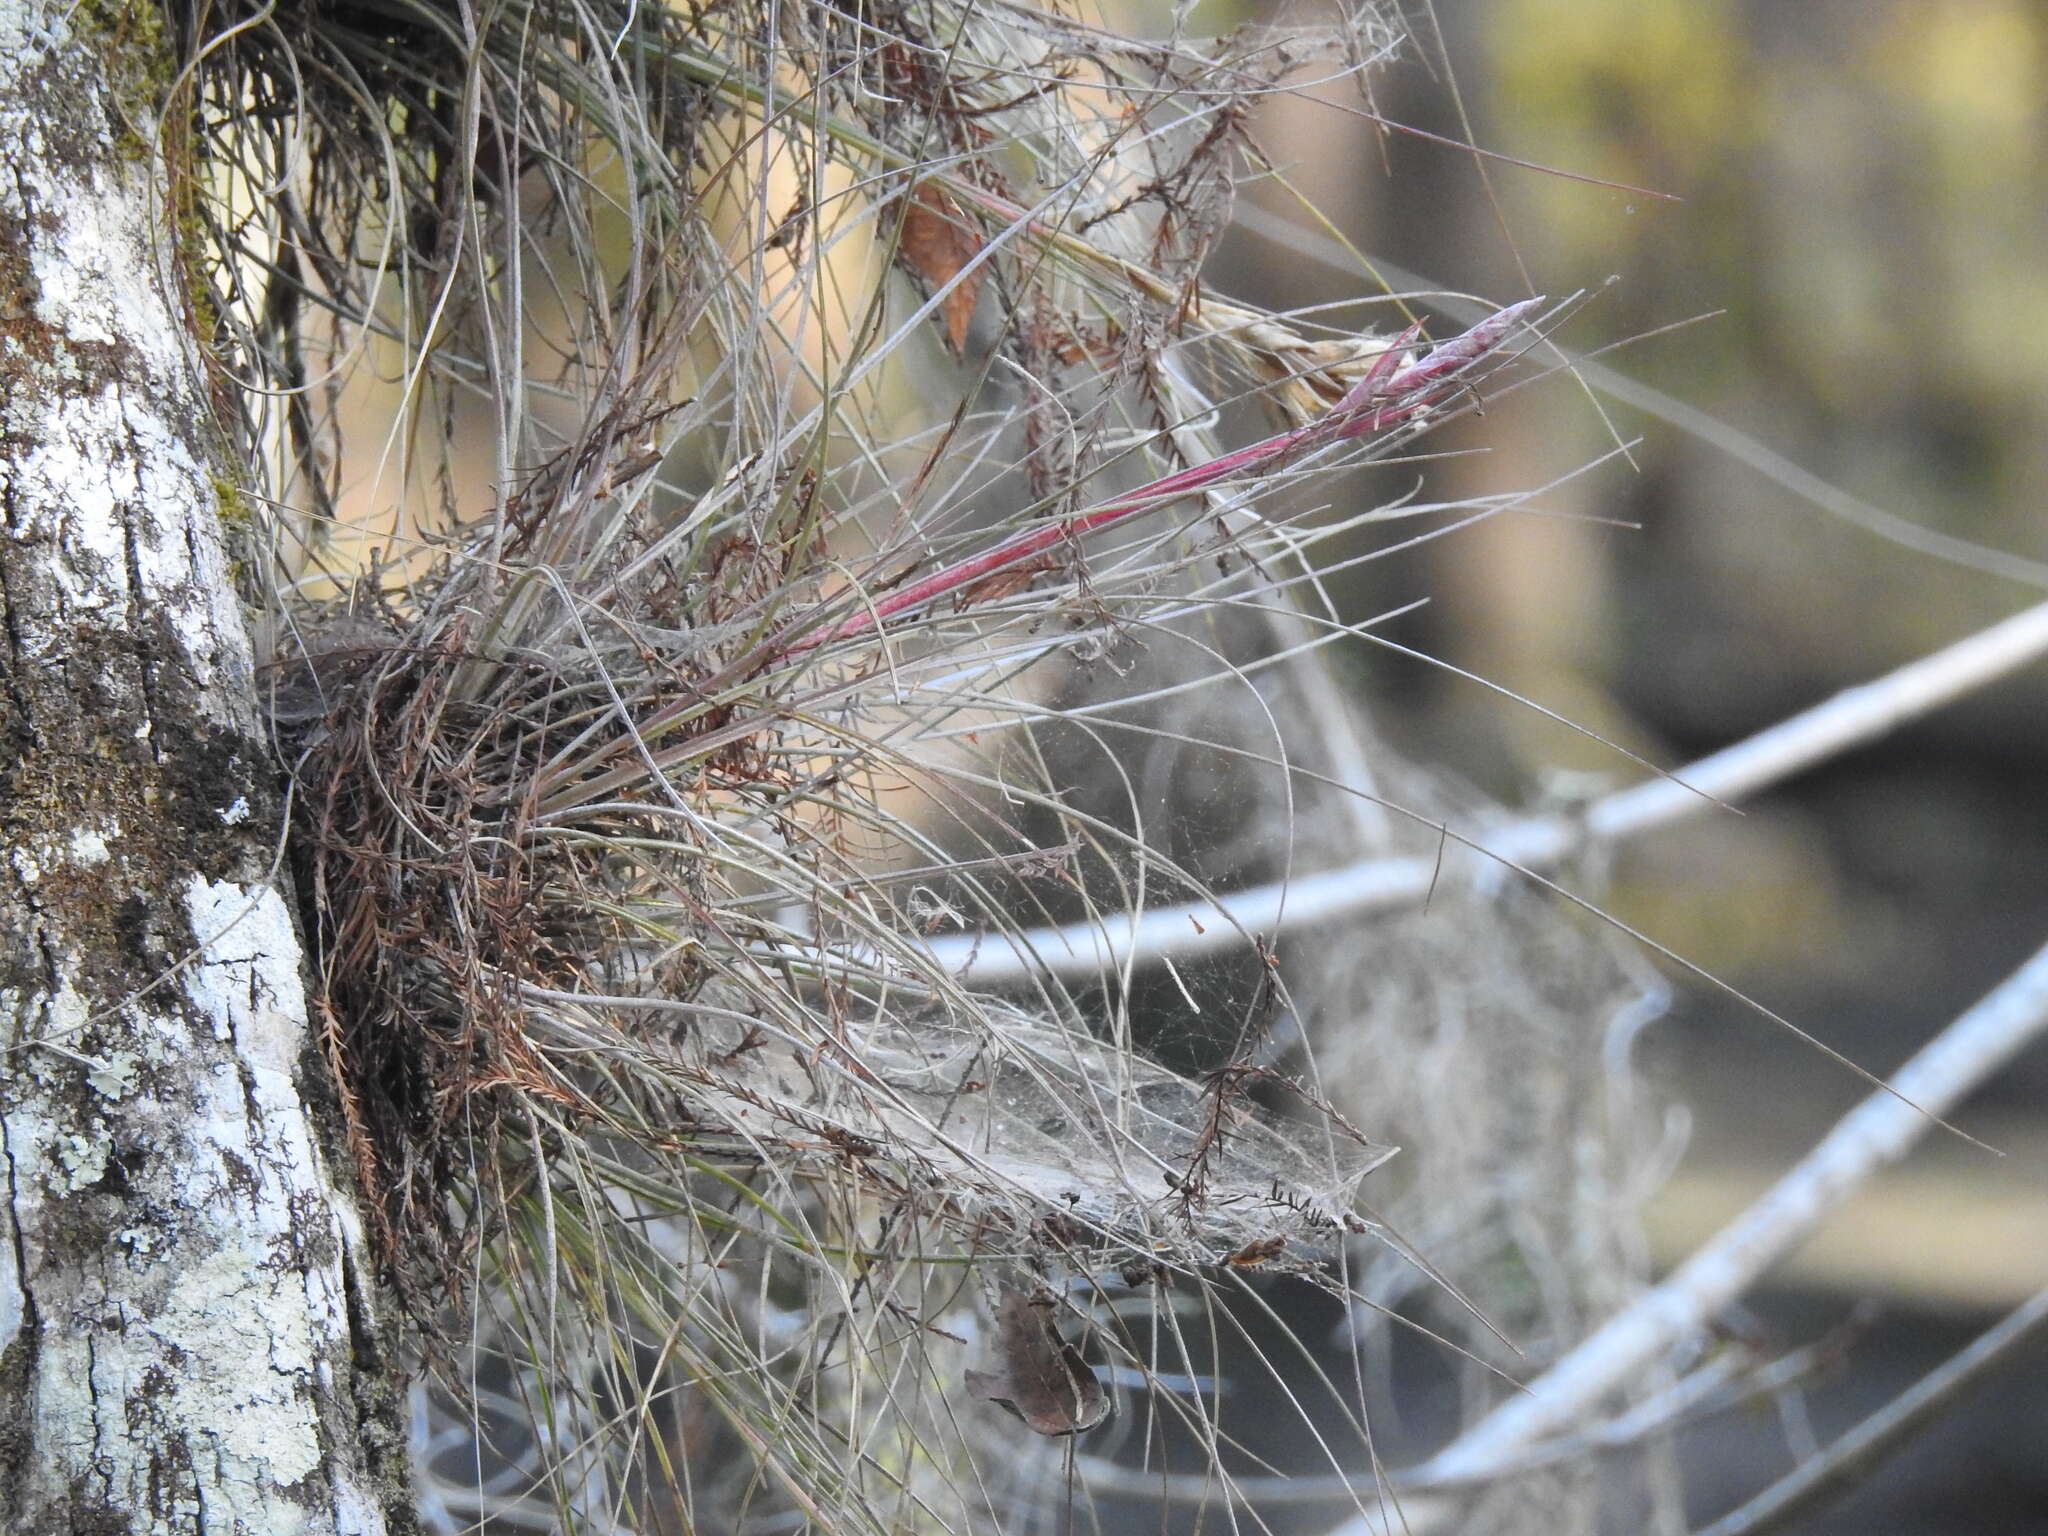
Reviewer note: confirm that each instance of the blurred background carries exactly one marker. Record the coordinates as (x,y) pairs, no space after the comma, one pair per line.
(1864,228)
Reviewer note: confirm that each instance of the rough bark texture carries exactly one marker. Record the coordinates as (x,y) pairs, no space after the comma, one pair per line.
(185,1340)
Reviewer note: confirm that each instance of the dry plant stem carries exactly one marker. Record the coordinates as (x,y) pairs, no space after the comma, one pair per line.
(1849,719)
(1877,1132)
(1870,1441)
(1384,398)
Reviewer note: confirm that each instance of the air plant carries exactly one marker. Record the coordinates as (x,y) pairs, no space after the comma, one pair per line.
(757,385)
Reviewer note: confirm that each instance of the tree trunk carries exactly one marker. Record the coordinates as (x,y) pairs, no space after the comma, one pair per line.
(186,1331)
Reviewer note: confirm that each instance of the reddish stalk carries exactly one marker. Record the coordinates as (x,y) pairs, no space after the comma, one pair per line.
(1383,398)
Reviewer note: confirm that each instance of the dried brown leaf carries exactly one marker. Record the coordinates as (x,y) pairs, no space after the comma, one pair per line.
(1039,1377)
(937,244)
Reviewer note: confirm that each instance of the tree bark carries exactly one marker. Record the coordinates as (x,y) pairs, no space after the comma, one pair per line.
(187,1336)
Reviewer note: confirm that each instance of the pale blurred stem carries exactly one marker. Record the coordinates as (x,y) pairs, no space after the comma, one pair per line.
(1378,886)
(1855,1453)
(1874,1134)
(1725,1381)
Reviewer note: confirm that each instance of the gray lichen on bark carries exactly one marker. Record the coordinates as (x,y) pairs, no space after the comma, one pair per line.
(185,1341)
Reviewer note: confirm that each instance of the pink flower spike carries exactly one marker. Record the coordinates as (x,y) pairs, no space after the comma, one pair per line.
(1460,352)
(1372,386)
(1402,394)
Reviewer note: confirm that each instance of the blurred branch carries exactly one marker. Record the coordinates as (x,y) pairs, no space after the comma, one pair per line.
(1728,1380)
(1876,1437)
(1877,1132)
(1851,718)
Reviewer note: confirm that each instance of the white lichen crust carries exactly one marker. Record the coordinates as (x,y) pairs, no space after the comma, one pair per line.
(184,1342)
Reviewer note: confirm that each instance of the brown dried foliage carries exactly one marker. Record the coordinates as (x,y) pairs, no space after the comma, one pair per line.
(937,245)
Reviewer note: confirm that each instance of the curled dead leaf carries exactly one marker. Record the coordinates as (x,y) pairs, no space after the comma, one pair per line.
(936,243)
(1039,1377)
(1258,1251)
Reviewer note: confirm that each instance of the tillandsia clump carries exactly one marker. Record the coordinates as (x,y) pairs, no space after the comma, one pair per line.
(714,452)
